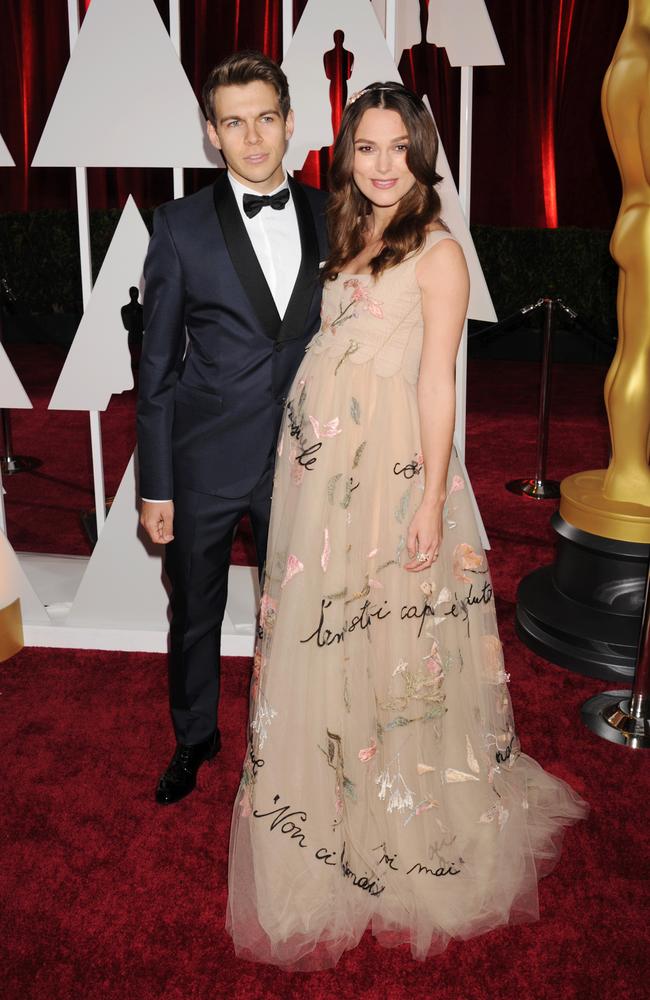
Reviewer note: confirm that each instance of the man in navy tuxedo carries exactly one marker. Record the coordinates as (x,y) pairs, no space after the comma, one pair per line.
(231,300)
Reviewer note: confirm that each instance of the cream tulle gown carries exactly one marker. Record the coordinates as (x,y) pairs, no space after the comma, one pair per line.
(384,784)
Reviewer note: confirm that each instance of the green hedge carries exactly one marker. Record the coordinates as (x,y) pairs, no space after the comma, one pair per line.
(39,256)
(522,265)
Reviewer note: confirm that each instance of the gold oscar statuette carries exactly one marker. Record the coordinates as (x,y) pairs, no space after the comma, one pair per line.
(615,502)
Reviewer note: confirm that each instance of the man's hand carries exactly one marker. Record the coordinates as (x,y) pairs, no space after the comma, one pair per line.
(157,519)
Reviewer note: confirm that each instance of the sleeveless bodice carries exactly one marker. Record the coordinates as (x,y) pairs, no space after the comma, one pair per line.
(376,319)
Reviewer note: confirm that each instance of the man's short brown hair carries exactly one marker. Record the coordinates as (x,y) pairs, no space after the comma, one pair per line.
(246,67)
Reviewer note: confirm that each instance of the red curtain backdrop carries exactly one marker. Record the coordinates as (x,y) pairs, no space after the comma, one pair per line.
(540,153)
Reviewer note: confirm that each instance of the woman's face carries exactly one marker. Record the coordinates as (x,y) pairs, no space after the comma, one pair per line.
(380,170)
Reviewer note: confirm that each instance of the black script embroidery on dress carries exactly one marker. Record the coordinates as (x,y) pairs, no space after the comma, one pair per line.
(363,620)
(409,471)
(411,611)
(419,869)
(503,755)
(459,610)
(461,605)
(295,422)
(373,886)
(388,858)
(350,487)
(291,829)
(483,598)
(322,854)
(307,457)
(256,762)
(284,821)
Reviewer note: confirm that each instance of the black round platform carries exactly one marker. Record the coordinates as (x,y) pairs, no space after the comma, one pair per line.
(584,611)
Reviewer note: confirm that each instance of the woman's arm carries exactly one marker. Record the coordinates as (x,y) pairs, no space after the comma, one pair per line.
(444,281)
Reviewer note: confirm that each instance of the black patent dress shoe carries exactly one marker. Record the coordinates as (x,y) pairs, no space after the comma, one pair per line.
(180,777)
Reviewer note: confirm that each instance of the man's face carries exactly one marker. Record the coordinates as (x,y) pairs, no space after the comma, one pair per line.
(251,133)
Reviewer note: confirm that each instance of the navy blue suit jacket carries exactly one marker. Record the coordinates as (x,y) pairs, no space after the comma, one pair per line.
(210,402)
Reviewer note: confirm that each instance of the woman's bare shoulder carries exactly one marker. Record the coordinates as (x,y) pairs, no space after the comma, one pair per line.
(443,259)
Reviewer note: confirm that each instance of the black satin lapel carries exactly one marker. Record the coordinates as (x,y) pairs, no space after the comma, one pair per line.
(295,318)
(244,259)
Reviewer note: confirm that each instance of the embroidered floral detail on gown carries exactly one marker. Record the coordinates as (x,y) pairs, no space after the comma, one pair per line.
(384,785)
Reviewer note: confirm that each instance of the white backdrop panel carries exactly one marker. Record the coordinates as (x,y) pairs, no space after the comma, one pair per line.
(122,586)
(408,31)
(464,29)
(304,67)
(98,362)
(480,300)
(14,583)
(124,100)
(6,159)
(12,394)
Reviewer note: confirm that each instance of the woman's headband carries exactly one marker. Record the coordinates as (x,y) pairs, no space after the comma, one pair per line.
(367,90)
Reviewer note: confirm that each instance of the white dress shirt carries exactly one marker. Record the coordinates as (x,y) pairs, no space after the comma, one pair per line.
(276,242)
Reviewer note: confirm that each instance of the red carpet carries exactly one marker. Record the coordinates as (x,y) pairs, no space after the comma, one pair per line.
(105,895)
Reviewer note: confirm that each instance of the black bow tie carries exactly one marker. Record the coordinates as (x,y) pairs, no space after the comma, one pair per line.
(254,203)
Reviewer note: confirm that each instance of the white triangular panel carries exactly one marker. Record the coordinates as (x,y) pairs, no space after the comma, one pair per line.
(6,159)
(12,394)
(14,583)
(122,585)
(408,32)
(98,362)
(303,65)
(124,100)
(464,29)
(480,300)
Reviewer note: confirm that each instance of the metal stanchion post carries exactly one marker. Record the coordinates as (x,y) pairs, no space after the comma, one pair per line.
(624,716)
(541,488)
(10,463)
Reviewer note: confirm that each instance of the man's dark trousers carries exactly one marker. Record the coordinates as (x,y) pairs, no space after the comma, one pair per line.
(197,564)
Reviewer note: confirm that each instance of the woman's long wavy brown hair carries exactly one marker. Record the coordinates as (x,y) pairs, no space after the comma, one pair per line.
(348,210)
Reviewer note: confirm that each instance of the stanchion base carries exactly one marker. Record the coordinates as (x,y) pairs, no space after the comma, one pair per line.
(538,489)
(19,463)
(584,612)
(89,521)
(608,715)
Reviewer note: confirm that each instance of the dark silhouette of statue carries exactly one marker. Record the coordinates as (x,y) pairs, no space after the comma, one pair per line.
(416,63)
(133,322)
(424,18)
(338,63)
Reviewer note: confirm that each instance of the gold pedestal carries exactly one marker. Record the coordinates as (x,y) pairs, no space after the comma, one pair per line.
(584,505)
(11,630)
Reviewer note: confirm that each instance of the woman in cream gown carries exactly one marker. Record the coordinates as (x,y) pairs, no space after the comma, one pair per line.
(384,784)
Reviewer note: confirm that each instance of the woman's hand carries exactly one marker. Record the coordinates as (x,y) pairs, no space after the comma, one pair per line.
(424,536)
